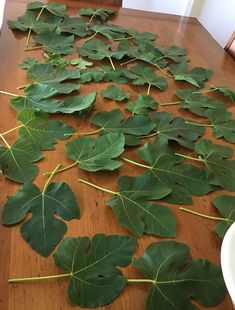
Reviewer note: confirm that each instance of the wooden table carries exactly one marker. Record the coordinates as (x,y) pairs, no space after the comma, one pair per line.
(16,258)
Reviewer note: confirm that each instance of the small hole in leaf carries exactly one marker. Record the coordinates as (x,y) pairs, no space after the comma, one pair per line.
(100,276)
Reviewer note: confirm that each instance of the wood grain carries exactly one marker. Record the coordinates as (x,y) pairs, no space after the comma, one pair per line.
(16,257)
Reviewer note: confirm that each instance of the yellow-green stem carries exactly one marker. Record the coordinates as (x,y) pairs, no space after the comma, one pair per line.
(56,276)
(203,215)
(98,187)
(148,136)
(148,90)
(10,130)
(91,37)
(7,93)
(49,179)
(112,64)
(33,48)
(5,141)
(83,133)
(198,124)
(170,103)
(136,163)
(141,281)
(129,61)
(62,169)
(189,157)
(121,39)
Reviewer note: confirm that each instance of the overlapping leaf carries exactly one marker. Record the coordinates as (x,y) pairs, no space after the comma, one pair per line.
(57,9)
(225,91)
(72,25)
(141,37)
(92,266)
(170,128)
(38,131)
(16,161)
(42,231)
(197,76)
(81,63)
(174,53)
(95,155)
(226,206)
(115,93)
(102,13)
(142,104)
(110,31)
(176,278)
(198,104)
(133,210)
(111,75)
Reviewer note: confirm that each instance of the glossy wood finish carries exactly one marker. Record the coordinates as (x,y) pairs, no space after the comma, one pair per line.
(16,257)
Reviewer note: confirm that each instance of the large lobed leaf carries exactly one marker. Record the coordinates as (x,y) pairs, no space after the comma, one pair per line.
(92,264)
(177,279)
(142,104)
(43,230)
(115,93)
(102,13)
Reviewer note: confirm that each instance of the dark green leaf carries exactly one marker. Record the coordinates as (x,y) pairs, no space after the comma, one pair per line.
(197,76)
(110,31)
(219,169)
(112,121)
(55,43)
(173,128)
(142,104)
(225,91)
(174,53)
(95,279)
(57,9)
(93,13)
(95,155)
(177,279)
(198,104)
(72,25)
(56,60)
(141,37)
(42,231)
(111,75)
(115,93)
(29,21)
(16,161)
(183,180)
(141,75)
(91,76)
(226,206)
(81,63)
(38,131)
(132,209)
(28,62)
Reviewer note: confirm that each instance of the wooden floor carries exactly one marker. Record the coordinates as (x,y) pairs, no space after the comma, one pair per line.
(16,258)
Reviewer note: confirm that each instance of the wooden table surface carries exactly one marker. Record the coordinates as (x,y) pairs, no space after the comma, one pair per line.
(17,259)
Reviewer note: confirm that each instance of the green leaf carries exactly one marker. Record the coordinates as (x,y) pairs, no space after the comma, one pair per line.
(115,93)
(93,267)
(16,161)
(55,43)
(56,60)
(225,91)
(219,169)
(113,121)
(111,75)
(133,211)
(141,75)
(57,9)
(98,50)
(142,104)
(95,155)
(28,62)
(174,53)
(42,231)
(72,25)
(198,104)
(177,279)
(223,125)
(182,179)
(91,76)
(226,206)
(141,37)
(170,128)
(81,63)
(110,31)
(28,21)
(93,13)
(38,131)
(197,76)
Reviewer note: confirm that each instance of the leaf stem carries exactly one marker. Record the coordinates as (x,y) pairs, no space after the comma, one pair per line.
(129,61)
(204,91)
(189,157)
(62,169)
(136,163)
(83,133)
(112,64)
(93,15)
(33,48)
(148,90)
(7,93)
(141,281)
(10,130)
(170,103)
(28,37)
(121,39)
(98,187)
(51,176)
(148,136)
(203,215)
(198,124)
(56,276)
(5,141)
(24,86)
(163,71)
(91,37)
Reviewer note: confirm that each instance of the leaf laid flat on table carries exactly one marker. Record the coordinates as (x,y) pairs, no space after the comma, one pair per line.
(197,76)
(177,278)
(92,265)
(219,169)
(57,9)
(141,75)
(95,155)
(198,104)
(55,43)
(226,206)
(91,76)
(111,75)
(133,210)
(225,91)
(113,121)
(81,63)
(43,230)
(55,59)
(110,31)
(98,50)
(72,25)
(16,161)
(170,128)
(184,180)
(102,13)
(174,53)
(142,104)
(141,37)
(223,124)
(115,93)
(38,130)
